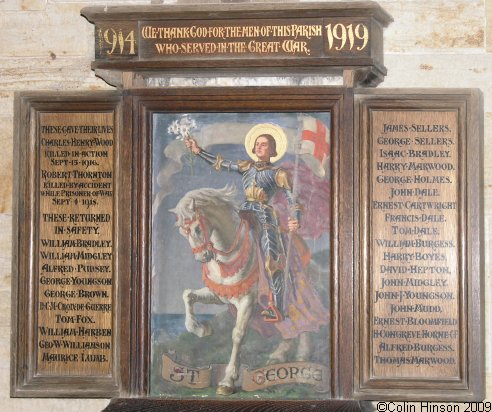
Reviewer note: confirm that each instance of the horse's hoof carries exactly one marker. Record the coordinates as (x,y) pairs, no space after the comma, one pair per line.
(224,390)
(201,330)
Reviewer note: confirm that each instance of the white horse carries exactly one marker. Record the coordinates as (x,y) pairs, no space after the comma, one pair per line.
(209,220)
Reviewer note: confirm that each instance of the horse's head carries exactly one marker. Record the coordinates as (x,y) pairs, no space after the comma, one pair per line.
(208,219)
(196,229)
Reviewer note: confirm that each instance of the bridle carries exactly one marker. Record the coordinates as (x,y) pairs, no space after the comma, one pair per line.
(207,244)
(230,268)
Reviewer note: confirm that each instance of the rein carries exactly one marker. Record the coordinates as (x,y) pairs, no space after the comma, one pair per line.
(207,244)
(230,268)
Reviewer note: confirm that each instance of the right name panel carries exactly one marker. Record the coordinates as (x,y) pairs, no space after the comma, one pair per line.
(419,285)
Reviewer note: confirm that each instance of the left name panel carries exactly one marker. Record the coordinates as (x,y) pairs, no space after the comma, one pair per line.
(75,250)
(65,261)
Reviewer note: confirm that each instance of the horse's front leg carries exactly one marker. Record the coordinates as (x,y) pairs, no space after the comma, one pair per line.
(245,308)
(191,297)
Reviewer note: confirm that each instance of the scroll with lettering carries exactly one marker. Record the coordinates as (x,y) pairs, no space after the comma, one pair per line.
(287,373)
(182,375)
(306,373)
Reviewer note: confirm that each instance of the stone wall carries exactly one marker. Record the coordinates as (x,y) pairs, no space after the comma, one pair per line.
(47,45)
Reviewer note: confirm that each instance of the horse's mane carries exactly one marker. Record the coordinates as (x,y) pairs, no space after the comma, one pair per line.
(208,200)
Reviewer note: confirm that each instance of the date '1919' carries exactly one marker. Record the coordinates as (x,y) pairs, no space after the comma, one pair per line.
(340,35)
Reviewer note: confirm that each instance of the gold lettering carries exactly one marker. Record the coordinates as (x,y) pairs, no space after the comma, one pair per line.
(231,32)
(110,38)
(117,39)
(182,32)
(262,47)
(364,36)
(294,46)
(237,47)
(224,32)
(164,48)
(338,35)
(121,41)
(214,48)
(222,48)
(350,31)
(258,39)
(130,38)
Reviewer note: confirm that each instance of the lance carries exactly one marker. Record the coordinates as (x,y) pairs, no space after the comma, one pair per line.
(295,189)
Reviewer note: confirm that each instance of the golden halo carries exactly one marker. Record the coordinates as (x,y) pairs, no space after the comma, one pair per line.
(266,128)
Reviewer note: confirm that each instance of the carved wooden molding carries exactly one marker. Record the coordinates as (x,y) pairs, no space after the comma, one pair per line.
(419,306)
(404,182)
(270,39)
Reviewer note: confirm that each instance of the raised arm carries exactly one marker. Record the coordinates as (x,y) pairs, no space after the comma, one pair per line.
(217,162)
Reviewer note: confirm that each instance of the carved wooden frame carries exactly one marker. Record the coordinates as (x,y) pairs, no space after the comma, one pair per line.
(132,113)
(336,100)
(467,103)
(133,110)
(25,380)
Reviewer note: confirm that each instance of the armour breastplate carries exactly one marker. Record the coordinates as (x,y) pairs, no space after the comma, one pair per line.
(259,185)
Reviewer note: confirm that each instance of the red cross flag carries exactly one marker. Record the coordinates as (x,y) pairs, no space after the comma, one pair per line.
(315,145)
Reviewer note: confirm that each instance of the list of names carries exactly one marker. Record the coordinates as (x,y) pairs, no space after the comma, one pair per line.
(75,261)
(414,269)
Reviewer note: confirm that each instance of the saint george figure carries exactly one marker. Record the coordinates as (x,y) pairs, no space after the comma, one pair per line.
(261,180)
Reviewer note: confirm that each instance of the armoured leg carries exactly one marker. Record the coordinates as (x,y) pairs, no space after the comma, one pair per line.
(275,310)
(273,251)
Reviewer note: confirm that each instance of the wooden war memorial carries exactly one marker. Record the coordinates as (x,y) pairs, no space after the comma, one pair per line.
(403,289)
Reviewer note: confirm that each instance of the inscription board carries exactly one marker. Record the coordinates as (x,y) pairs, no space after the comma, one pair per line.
(240,39)
(74,318)
(418,273)
(65,260)
(414,214)
(314,37)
